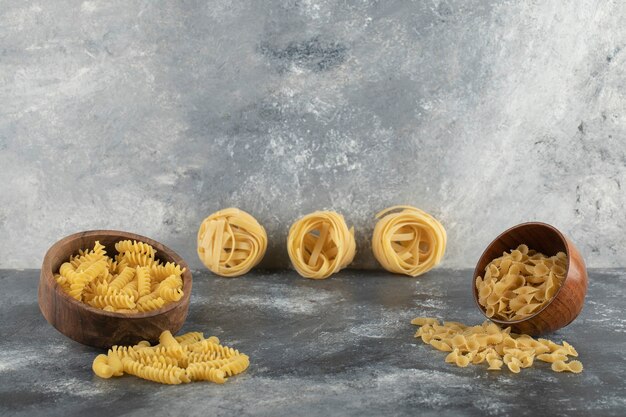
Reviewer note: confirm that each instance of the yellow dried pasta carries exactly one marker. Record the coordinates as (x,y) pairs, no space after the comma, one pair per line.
(498,347)
(320,244)
(173,361)
(409,241)
(572,366)
(124,285)
(519,283)
(101,367)
(231,242)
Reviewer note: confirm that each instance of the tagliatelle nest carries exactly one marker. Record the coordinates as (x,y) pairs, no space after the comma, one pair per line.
(409,241)
(231,242)
(320,244)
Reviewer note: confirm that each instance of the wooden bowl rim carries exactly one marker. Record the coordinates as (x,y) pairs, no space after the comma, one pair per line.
(168,253)
(507,231)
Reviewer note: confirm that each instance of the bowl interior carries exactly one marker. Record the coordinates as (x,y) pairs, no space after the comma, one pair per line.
(61,251)
(541,237)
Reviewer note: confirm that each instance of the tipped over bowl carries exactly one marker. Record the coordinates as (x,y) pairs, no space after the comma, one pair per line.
(567,303)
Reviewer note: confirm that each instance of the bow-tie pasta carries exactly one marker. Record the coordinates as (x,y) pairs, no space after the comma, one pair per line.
(320,244)
(518,284)
(496,346)
(231,242)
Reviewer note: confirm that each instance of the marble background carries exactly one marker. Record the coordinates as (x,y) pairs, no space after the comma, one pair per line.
(147,116)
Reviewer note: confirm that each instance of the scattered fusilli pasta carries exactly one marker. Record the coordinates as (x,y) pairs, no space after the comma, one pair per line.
(175,360)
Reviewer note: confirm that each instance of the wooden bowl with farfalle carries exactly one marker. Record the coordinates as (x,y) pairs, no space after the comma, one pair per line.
(568,301)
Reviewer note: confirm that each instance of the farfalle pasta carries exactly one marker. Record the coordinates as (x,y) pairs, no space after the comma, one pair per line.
(231,242)
(520,282)
(131,282)
(320,244)
(175,360)
(408,241)
(495,346)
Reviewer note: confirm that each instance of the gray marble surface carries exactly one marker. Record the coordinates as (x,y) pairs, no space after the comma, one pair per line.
(146,116)
(343,346)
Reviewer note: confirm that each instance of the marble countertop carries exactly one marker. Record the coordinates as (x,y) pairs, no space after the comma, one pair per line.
(343,346)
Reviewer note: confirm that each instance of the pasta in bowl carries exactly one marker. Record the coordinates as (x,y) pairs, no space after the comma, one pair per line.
(139,312)
(531,278)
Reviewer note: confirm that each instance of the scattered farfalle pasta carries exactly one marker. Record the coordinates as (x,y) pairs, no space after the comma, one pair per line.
(518,284)
(175,360)
(231,242)
(409,241)
(134,281)
(320,244)
(493,345)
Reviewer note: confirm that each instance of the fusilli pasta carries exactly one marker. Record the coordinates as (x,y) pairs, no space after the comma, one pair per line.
(135,282)
(173,361)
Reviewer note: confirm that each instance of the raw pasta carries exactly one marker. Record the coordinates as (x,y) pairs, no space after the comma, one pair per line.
(175,360)
(231,242)
(498,347)
(573,366)
(134,282)
(409,241)
(320,244)
(518,284)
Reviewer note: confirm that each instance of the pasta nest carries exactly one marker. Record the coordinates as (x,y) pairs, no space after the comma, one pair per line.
(231,242)
(409,242)
(320,244)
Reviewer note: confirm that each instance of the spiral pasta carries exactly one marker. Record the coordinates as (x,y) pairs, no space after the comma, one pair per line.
(320,244)
(204,372)
(116,301)
(173,361)
(191,337)
(143,280)
(498,347)
(135,247)
(160,272)
(231,242)
(208,346)
(86,258)
(135,282)
(122,279)
(101,367)
(135,259)
(409,241)
(81,279)
(169,375)
(150,304)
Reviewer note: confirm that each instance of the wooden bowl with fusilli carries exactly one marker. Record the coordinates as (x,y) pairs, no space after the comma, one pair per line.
(90,296)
